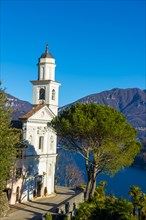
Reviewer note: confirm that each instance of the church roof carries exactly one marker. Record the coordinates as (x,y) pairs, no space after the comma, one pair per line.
(33,111)
(47,54)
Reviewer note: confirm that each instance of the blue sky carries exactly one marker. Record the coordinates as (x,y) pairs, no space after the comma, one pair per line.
(98,45)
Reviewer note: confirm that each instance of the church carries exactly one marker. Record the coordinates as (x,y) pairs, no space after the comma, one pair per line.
(35,171)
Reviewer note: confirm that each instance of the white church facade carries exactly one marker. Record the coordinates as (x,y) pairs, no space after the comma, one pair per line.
(39,159)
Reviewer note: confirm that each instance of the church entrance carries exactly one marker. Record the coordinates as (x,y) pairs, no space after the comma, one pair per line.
(39,184)
(39,187)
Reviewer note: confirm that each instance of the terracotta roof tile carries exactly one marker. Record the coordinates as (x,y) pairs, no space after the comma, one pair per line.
(33,111)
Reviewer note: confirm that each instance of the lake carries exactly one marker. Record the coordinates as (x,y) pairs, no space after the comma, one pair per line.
(120,183)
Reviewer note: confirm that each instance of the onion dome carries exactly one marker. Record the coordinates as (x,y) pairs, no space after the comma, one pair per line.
(47,54)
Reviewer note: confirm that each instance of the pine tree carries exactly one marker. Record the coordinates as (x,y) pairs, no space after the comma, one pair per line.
(101,135)
(9,140)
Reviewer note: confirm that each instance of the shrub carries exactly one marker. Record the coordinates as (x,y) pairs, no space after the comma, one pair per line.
(106,207)
(48,217)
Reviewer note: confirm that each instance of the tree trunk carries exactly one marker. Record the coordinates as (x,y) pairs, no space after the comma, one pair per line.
(91,184)
(88,189)
(134,211)
(139,214)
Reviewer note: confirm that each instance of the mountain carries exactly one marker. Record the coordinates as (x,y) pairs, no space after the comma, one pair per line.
(130,102)
(20,107)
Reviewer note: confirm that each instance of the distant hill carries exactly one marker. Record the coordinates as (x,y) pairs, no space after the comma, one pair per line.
(20,107)
(130,102)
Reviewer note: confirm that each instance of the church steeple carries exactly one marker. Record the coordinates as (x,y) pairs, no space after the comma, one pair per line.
(46,48)
(45,89)
(46,66)
(46,54)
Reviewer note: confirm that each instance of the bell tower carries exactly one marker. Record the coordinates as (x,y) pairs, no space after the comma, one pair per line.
(45,89)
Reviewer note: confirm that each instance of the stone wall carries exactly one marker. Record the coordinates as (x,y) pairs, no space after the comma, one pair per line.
(72,204)
(68,209)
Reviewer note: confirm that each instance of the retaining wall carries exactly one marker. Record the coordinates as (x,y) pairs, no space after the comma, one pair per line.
(69,207)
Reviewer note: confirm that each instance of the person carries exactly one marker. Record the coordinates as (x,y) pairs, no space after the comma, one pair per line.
(67,206)
(74,208)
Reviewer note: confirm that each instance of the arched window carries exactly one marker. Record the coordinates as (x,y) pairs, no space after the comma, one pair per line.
(41,143)
(42,94)
(53,94)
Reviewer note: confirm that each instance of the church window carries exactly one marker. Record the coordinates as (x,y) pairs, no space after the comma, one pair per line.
(41,143)
(53,94)
(42,94)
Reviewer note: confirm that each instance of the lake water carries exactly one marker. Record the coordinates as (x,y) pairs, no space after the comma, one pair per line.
(120,183)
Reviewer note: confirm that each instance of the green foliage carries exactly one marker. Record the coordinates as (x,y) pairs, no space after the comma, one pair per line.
(9,139)
(101,135)
(119,208)
(66,217)
(138,201)
(85,211)
(136,194)
(105,207)
(99,195)
(143,206)
(48,216)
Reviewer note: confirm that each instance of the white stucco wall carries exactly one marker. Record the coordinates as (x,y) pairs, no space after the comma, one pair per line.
(39,162)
